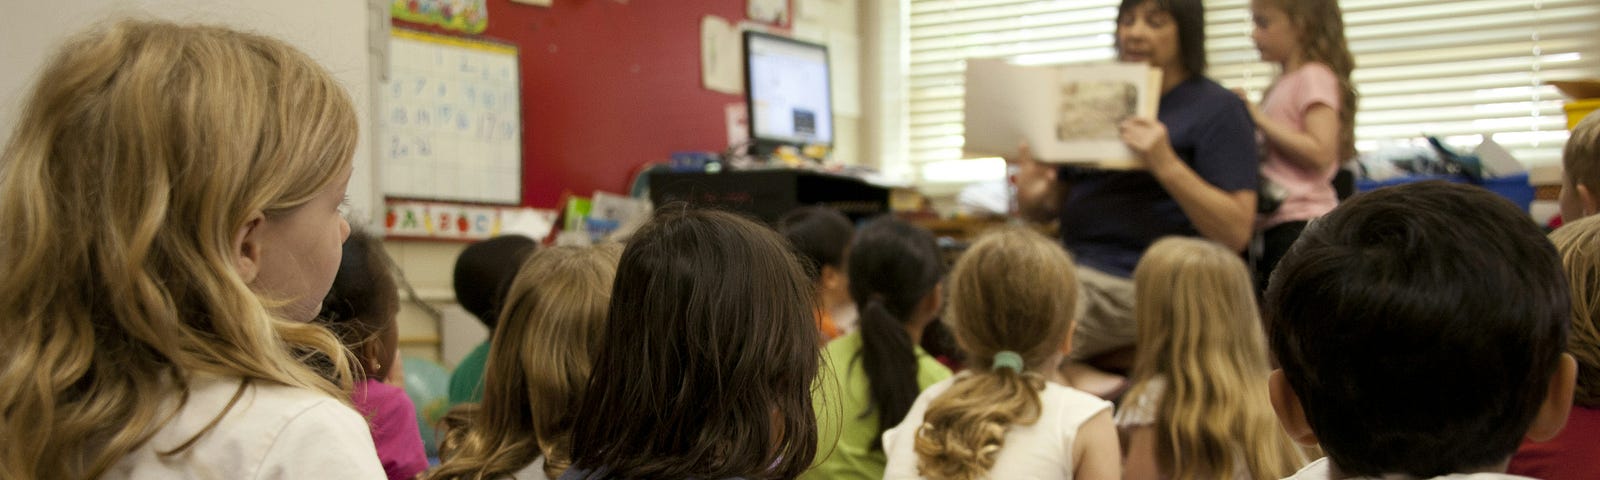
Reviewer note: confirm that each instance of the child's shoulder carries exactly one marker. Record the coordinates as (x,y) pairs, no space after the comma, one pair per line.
(1071,401)
(1312,71)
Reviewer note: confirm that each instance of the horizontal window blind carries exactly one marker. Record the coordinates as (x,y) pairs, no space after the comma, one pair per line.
(1450,68)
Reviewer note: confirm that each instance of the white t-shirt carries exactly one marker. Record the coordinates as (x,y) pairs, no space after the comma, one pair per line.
(273,432)
(1318,470)
(534,471)
(1042,450)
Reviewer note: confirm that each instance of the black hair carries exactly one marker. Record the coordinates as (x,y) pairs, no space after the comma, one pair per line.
(893,266)
(708,353)
(484,272)
(1420,326)
(820,234)
(1190,17)
(361,305)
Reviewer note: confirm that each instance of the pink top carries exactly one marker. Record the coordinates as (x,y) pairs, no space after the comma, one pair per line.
(1310,191)
(1573,454)
(394,427)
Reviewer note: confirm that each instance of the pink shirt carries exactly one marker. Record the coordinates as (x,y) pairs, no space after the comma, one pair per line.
(394,427)
(1310,191)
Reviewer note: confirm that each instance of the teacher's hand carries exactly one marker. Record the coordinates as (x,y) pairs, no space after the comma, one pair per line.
(1147,138)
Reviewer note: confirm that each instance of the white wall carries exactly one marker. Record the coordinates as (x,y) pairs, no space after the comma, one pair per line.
(332,32)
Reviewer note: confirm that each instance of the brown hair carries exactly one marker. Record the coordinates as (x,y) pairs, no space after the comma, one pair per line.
(1014,290)
(707,356)
(539,363)
(1580,159)
(142,150)
(363,302)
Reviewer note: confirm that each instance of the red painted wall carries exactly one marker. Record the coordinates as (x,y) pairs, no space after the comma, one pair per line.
(607,86)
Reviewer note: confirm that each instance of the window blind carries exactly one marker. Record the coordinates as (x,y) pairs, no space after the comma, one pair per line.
(1450,68)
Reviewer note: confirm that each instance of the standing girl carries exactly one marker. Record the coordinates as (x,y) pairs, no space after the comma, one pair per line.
(872,376)
(361,309)
(1306,121)
(538,366)
(1198,407)
(1013,296)
(706,358)
(171,194)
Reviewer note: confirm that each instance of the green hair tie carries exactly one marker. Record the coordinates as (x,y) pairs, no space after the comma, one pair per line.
(1008,359)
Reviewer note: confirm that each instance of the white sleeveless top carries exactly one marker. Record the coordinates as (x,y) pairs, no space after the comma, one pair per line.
(1042,450)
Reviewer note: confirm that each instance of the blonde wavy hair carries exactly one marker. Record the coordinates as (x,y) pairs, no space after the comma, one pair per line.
(1012,290)
(1320,27)
(141,151)
(1200,332)
(1579,244)
(539,363)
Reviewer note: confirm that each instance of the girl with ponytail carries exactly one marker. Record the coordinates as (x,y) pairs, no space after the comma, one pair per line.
(1013,297)
(871,377)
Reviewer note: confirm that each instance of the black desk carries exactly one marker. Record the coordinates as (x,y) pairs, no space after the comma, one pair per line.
(768,194)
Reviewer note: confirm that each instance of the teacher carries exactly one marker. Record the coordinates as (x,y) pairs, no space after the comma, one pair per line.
(1200,180)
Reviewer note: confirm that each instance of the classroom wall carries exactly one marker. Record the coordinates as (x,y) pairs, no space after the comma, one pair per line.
(609,86)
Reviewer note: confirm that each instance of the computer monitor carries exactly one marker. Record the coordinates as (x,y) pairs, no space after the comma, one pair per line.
(786,89)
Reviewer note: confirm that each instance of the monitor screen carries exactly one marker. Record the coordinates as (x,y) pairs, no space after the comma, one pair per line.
(786,87)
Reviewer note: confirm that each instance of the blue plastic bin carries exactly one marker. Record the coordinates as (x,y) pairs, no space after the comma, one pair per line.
(1513,187)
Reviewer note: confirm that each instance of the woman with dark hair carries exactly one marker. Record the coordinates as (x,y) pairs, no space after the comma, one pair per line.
(1199,180)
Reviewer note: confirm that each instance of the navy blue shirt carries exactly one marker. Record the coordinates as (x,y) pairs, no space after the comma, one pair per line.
(1109,217)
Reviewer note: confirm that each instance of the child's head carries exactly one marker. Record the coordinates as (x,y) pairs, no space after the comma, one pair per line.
(1200,335)
(1420,330)
(1162,33)
(1312,31)
(1580,165)
(363,302)
(1013,291)
(538,367)
(485,270)
(706,357)
(821,235)
(1579,245)
(172,196)
(895,269)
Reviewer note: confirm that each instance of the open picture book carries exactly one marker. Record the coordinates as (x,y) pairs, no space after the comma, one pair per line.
(1066,114)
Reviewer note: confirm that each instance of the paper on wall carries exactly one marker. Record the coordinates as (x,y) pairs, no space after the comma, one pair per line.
(721,62)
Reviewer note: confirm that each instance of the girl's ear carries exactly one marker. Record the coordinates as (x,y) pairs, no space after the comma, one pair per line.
(1591,205)
(247,247)
(1286,404)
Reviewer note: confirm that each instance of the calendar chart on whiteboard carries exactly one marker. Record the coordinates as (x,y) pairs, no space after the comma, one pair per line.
(451,125)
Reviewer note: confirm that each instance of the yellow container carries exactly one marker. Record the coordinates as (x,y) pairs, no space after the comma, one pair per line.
(1577,109)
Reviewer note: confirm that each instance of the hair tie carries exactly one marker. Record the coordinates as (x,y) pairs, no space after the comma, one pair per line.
(1007,359)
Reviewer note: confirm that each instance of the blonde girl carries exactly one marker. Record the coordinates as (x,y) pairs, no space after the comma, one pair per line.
(171,195)
(1575,452)
(1198,407)
(539,363)
(1306,120)
(1012,301)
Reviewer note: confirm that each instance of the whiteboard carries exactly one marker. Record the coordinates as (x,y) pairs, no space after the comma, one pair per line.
(451,120)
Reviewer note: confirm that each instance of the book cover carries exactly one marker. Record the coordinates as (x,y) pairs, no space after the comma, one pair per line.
(1066,114)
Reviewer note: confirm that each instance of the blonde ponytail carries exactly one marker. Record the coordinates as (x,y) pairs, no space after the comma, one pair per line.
(1012,294)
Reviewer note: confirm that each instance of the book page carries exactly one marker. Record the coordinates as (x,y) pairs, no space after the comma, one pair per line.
(1067,114)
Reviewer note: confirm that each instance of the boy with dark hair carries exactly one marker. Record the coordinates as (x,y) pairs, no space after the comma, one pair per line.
(1420,330)
(482,274)
(821,236)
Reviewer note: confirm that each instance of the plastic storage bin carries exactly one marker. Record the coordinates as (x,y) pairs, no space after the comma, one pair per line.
(1513,187)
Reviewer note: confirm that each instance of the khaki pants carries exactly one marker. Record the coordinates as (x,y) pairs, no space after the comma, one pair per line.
(1105,314)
